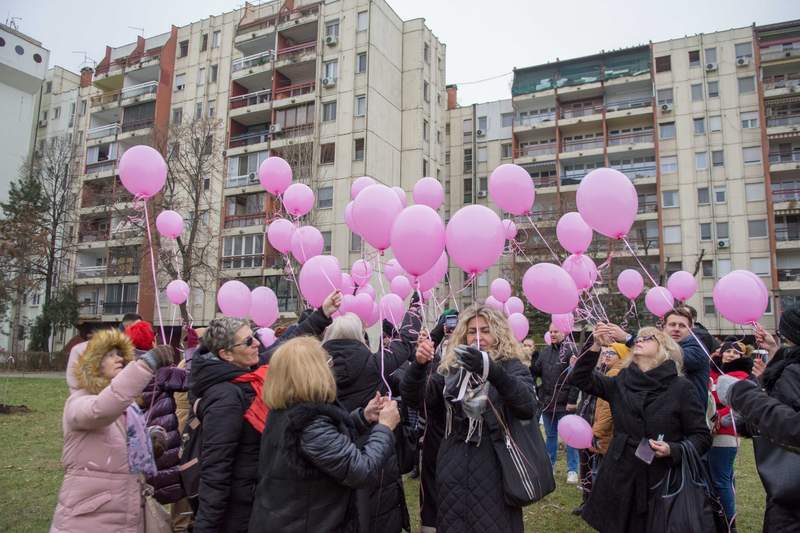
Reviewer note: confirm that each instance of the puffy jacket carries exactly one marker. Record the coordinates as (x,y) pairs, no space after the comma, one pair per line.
(552,366)
(309,466)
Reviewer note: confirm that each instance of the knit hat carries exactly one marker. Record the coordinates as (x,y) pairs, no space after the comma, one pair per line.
(789,327)
(740,347)
(141,334)
(622,351)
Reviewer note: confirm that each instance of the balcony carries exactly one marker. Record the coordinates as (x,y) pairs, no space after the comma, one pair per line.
(106,98)
(100,167)
(637,172)
(250,99)
(782,194)
(545,214)
(243,261)
(142,89)
(102,131)
(92,235)
(291,91)
(545,181)
(781,84)
(784,160)
(643,137)
(536,150)
(293,132)
(780,53)
(296,51)
(89,309)
(788,233)
(83,272)
(241,181)
(585,111)
(119,308)
(245,220)
(633,103)
(134,125)
(783,121)
(788,274)
(580,145)
(647,207)
(251,61)
(247,139)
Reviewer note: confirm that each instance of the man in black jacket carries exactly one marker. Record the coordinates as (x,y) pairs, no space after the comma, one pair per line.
(557,397)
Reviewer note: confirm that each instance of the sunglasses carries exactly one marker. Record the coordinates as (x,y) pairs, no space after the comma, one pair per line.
(644,338)
(609,353)
(247,342)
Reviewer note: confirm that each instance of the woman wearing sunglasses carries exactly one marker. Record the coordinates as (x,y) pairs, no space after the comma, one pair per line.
(651,417)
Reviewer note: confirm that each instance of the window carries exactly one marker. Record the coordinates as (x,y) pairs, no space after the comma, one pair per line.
(426,91)
(507,119)
(752,155)
(355,242)
(506,150)
(426,130)
(749,119)
(48,87)
(57,113)
(177,115)
(720,194)
(201,76)
(214,71)
(438,136)
(747,85)
(709,309)
(424,167)
(703,196)
(426,53)
(669,198)
(467,159)
(328,111)
(744,50)
(467,190)
(754,192)
(482,154)
(759,266)
(711,55)
(83,108)
(198,110)
(183,49)
(667,130)
(699,126)
(707,266)
(216,38)
(672,234)
(447,128)
(204,42)
(332,28)
(757,229)
(664,96)
(705,231)
(327,153)
(715,123)
(697,92)
(467,127)
(331,69)
(723,267)
(663,64)
(361,62)
(701,160)
(363,21)
(212,108)
(483,124)
(361,106)
(243,251)
(44,114)
(713,89)
(325,197)
(718,158)
(447,157)
(326,242)
(694,58)
(358,151)
(669,164)
(180,82)
(722,230)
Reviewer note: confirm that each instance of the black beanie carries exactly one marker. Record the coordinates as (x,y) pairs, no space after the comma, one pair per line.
(789,327)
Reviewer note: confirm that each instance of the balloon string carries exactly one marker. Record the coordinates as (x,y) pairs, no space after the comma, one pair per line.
(533,224)
(380,327)
(153,271)
(451,294)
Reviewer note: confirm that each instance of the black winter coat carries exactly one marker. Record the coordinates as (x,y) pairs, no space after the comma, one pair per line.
(309,465)
(552,366)
(644,405)
(468,476)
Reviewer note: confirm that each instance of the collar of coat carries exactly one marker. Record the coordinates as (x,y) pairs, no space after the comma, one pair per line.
(87,369)
(654,380)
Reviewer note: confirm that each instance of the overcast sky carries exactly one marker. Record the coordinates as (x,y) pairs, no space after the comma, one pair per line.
(484,39)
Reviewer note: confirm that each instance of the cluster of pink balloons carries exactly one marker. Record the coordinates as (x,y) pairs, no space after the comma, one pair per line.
(500,299)
(235,299)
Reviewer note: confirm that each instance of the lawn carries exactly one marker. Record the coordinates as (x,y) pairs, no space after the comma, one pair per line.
(30,470)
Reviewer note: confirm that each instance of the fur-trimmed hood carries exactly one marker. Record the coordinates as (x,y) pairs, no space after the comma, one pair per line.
(87,368)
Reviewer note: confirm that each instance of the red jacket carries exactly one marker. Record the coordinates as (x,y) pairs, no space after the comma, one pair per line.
(740,369)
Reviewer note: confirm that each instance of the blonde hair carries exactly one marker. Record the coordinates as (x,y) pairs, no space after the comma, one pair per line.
(347,326)
(298,372)
(668,349)
(505,345)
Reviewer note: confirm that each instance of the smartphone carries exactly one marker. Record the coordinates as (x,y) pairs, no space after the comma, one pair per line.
(450,322)
(761,354)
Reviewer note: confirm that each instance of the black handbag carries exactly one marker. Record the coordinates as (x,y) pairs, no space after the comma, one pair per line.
(779,470)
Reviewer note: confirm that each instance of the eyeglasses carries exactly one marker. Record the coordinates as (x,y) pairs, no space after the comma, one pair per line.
(247,342)
(609,353)
(644,338)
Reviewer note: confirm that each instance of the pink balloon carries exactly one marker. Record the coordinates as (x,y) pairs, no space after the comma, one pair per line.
(348,304)
(494,303)
(475,238)
(401,286)
(682,285)
(348,285)
(500,289)
(279,235)
(392,309)
(374,212)
(427,296)
(392,269)
(582,269)
(263,306)
(275,175)
(266,337)
(575,432)
(169,224)
(511,187)
(573,233)
(366,289)
(547,339)
(658,301)
(233,299)
(363,305)
(513,305)
(307,242)
(177,291)
(550,289)
(348,217)
(374,316)
(510,228)
(428,191)
(417,239)
(519,325)
(432,277)
(630,283)
(142,171)
(298,199)
(564,322)
(361,272)
(607,201)
(319,277)
(741,297)
(359,185)
(401,195)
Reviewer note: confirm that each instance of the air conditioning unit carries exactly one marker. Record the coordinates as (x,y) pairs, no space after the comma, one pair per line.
(42,123)
(252,177)
(276,128)
(666,108)
(723,243)
(332,40)
(711,67)
(480,133)
(742,61)
(328,82)
(481,194)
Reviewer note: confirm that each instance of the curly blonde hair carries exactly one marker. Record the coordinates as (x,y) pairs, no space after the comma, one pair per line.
(505,345)
(668,349)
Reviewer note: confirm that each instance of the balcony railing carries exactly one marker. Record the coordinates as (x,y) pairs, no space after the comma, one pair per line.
(788,120)
(788,233)
(241,181)
(582,111)
(105,98)
(633,103)
(535,150)
(771,55)
(254,98)
(137,124)
(545,214)
(634,172)
(243,261)
(785,157)
(295,131)
(100,166)
(782,82)
(788,274)
(298,49)
(582,144)
(647,207)
(92,235)
(89,308)
(124,269)
(247,139)
(532,120)
(119,308)
(549,181)
(90,271)
(103,131)
(785,195)
(298,89)
(251,61)
(142,89)
(242,221)
(631,138)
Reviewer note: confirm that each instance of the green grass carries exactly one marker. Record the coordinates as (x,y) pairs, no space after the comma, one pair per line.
(30,469)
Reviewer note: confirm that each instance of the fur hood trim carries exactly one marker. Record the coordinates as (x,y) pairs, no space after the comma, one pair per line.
(87,369)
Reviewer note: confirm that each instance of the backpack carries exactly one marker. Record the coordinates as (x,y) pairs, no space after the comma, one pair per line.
(189,455)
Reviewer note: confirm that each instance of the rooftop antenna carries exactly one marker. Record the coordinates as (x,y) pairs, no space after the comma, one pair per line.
(11,22)
(87,61)
(141,30)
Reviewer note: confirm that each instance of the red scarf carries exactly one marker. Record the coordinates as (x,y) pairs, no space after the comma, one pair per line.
(256,414)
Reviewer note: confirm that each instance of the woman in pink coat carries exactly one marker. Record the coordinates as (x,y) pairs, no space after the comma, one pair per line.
(106,445)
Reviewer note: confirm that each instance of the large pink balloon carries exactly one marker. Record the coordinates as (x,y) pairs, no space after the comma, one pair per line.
(366,289)
(307,242)
(348,218)
(361,272)
(279,234)
(233,299)
(359,185)
(298,199)
(275,175)
(550,289)
(564,322)
(658,301)
(519,325)
(475,238)
(682,285)
(436,274)
(741,297)
(392,269)
(500,289)
(348,304)
(511,229)
(266,337)
(362,306)
(373,316)
(417,239)
(582,269)
(401,195)
(263,306)
(401,286)
(169,224)
(513,305)
(142,171)
(494,303)
(575,432)
(374,211)
(348,285)
(319,277)
(392,309)
(428,191)
(607,201)
(573,233)
(630,283)
(177,291)
(511,187)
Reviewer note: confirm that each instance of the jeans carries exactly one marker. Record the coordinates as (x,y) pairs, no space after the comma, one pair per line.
(551,429)
(720,460)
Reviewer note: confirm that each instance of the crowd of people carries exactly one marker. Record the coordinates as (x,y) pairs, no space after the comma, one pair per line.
(316,431)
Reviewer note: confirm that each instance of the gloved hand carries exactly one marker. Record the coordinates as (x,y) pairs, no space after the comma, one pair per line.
(159,356)
(471,358)
(158,438)
(724,384)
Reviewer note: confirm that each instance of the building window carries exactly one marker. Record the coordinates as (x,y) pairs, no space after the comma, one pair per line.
(699,126)
(438,136)
(424,167)
(216,38)
(355,242)
(747,85)
(709,309)
(327,153)
(723,267)
(713,89)
(715,123)
(426,91)
(332,28)
(467,190)
(757,229)
(759,266)
(705,231)
(447,157)
(201,76)
(426,53)
(711,55)
(467,127)
(506,150)
(361,106)
(722,230)
(669,164)
(663,64)
(749,119)
(48,87)
(358,153)
(467,159)
(482,154)
(694,58)
(198,110)
(483,185)
(703,196)
(204,42)
(672,234)
(180,82)
(754,192)
(744,50)
(708,268)
(701,160)
(331,69)
(243,251)
(664,96)
(507,119)
(183,49)
(361,62)
(57,113)
(214,72)
(325,197)
(212,108)
(326,242)
(363,21)
(697,91)
(483,124)
(667,130)
(720,194)
(752,155)
(329,111)
(669,198)
(447,128)
(718,158)
(426,130)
